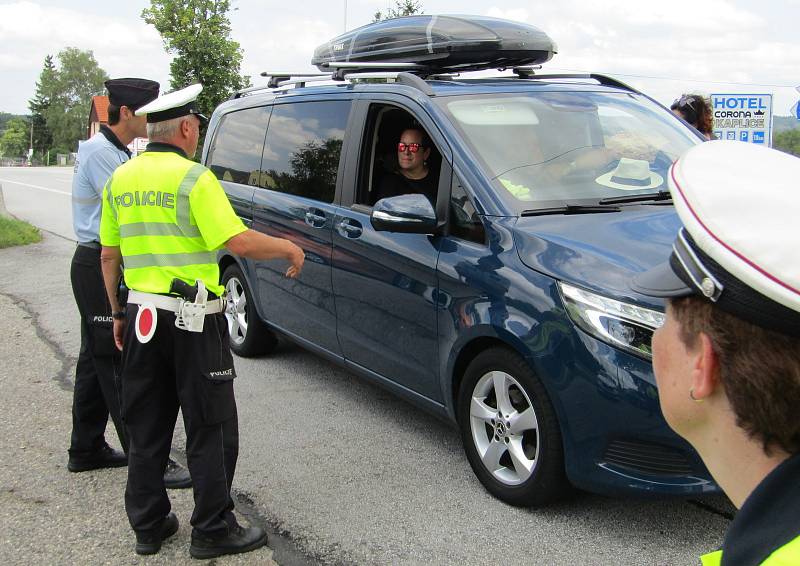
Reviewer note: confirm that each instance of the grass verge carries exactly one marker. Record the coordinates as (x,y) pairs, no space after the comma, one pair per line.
(17,233)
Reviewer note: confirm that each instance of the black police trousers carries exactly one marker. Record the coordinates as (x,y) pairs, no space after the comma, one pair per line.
(194,372)
(96,393)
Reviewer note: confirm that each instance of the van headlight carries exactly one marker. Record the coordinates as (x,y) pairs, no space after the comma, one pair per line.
(623,325)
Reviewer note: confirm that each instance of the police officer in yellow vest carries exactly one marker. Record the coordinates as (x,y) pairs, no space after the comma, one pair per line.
(727,359)
(163,218)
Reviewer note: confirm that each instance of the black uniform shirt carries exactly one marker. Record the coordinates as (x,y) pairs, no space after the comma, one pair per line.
(769,518)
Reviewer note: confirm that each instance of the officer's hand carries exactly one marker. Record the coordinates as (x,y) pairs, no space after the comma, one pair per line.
(296,257)
(119,333)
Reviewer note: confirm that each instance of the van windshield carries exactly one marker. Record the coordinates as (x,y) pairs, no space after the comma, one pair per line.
(546,148)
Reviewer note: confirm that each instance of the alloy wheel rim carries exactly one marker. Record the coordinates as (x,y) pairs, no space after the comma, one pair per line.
(236,310)
(504,428)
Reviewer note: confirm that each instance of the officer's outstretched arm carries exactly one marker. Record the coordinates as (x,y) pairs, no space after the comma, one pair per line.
(111,263)
(255,245)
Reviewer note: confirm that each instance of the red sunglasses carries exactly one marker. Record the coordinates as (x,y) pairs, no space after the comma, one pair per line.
(412,147)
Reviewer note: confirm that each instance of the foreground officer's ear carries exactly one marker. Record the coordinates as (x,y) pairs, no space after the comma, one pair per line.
(705,368)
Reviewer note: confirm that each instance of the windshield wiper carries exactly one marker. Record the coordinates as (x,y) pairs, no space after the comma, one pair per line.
(660,195)
(570,209)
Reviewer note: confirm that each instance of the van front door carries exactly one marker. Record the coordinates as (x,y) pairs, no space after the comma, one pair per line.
(385,283)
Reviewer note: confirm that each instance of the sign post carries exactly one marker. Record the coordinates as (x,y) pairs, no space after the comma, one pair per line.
(743,117)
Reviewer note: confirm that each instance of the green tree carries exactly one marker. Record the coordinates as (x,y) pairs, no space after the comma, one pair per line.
(314,168)
(78,78)
(38,105)
(5,118)
(401,8)
(15,140)
(197,32)
(788,141)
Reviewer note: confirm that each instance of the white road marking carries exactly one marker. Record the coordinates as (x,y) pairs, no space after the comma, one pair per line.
(36,187)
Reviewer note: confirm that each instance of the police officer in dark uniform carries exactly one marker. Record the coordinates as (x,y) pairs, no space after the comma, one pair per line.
(96,394)
(727,359)
(164,217)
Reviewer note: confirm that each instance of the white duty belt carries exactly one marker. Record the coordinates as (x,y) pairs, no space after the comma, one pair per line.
(189,315)
(172,304)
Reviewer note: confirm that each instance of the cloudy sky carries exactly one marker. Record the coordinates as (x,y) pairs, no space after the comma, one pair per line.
(661,48)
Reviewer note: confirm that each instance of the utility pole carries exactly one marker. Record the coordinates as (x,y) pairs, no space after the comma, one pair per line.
(30,149)
(345,15)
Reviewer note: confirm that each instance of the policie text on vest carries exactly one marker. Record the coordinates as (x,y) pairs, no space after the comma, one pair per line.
(146,198)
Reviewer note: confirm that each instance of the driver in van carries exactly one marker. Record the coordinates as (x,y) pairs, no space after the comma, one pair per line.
(413,175)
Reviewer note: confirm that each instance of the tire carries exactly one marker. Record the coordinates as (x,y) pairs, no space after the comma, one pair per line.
(517,452)
(249,336)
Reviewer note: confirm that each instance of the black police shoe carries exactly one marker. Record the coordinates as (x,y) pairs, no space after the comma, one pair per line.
(237,540)
(176,476)
(105,457)
(150,542)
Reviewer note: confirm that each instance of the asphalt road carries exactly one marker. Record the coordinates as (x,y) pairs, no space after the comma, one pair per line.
(40,195)
(347,473)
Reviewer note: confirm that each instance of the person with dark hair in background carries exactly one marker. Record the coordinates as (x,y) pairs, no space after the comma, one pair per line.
(696,111)
(413,175)
(95,394)
(727,358)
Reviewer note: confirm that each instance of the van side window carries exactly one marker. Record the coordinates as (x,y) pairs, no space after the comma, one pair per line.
(304,143)
(465,222)
(236,152)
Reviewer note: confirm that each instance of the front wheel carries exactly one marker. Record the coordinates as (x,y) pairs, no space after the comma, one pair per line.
(249,336)
(510,431)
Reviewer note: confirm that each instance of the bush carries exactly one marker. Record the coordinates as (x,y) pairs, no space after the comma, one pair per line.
(788,141)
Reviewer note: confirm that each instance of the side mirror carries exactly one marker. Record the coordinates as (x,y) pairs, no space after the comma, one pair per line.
(411,214)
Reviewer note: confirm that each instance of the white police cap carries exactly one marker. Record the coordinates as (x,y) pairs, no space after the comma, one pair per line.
(740,208)
(173,105)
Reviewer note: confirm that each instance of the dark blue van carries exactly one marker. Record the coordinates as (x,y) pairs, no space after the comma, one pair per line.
(500,300)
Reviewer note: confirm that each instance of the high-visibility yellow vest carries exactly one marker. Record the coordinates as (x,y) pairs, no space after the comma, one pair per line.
(168,215)
(786,555)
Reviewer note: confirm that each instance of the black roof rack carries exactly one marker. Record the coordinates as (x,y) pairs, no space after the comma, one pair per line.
(401,77)
(275,78)
(526,71)
(409,74)
(343,72)
(340,69)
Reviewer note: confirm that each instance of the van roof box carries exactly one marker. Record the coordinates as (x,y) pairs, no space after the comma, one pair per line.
(440,43)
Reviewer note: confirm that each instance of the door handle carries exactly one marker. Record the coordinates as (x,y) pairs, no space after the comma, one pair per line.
(349,228)
(315,218)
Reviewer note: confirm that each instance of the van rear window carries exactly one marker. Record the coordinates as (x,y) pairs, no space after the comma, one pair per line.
(236,153)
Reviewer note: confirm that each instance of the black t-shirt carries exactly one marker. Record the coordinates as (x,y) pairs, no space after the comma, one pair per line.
(394,184)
